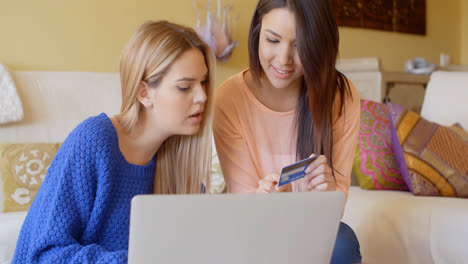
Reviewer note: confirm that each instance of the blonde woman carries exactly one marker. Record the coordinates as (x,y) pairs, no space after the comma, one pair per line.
(160,142)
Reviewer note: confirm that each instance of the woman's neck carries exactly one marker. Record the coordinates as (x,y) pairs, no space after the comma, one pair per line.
(280,100)
(139,146)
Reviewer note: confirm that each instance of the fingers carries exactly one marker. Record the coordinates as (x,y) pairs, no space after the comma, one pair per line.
(322,182)
(322,169)
(319,175)
(272,177)
(268,184)
(326,186)
(283,188)
(316,163)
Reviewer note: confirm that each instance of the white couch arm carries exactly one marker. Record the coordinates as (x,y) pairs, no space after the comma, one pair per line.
(10,226)
(446,98)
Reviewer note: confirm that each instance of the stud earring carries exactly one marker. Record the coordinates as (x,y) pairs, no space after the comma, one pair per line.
(149,105)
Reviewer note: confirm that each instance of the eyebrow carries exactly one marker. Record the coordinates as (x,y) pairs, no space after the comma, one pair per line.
(272,32)
(276,34)
(188,79)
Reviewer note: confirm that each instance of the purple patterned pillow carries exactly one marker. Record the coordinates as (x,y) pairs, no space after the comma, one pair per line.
(375,165)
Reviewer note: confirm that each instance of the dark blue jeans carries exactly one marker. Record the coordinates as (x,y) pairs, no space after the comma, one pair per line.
(347,248)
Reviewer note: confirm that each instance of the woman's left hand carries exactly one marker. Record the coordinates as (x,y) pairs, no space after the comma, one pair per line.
(319,176)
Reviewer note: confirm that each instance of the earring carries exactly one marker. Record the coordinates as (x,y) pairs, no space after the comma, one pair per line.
(149,105)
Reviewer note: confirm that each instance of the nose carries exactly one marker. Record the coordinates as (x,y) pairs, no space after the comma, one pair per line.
(200,95)
(285,54)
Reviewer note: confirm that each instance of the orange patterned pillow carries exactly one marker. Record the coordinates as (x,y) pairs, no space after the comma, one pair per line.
(435,156)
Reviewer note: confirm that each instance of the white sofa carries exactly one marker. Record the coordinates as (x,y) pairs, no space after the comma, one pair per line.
(392,227)
(397,227)
(446,97)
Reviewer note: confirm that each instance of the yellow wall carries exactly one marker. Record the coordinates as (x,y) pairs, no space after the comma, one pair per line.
(87,35)
(442,36)
(464,32)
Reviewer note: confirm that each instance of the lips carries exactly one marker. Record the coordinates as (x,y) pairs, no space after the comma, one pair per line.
(196,118)
(281,73)
(197,113)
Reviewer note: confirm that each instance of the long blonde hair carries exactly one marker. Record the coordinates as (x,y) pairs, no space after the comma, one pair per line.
(183,163)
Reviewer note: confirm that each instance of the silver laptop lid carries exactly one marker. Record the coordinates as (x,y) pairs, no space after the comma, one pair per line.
(278,228)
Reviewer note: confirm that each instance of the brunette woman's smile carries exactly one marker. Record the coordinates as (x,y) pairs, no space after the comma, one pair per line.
(282,74)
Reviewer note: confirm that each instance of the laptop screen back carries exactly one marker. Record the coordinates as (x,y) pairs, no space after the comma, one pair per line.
(278,228)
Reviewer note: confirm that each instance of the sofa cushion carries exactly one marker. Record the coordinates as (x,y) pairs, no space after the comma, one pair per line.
(374,163)
(54,103)
(10,226)
(398,227)
(23,167)
(435,155)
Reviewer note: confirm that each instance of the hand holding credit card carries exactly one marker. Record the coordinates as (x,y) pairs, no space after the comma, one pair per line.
(294,171)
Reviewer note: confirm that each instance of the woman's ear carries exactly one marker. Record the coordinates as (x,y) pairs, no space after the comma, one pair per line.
(143,95)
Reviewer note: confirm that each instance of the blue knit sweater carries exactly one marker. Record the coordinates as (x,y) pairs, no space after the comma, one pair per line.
(82,210)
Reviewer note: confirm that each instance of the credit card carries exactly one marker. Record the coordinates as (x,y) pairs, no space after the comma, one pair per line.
(294,171)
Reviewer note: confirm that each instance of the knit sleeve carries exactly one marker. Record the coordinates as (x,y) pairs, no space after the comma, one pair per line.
(59,214)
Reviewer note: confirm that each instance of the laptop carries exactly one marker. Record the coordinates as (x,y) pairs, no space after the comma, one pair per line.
(292,228)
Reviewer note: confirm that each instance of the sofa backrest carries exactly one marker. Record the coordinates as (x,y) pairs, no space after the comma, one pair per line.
(54,103)
(445,101)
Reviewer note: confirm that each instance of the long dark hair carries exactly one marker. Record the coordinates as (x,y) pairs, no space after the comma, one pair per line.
(317,40)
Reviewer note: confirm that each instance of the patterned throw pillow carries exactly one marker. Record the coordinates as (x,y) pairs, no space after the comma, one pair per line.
(374,163)
(435,156)
(23,167)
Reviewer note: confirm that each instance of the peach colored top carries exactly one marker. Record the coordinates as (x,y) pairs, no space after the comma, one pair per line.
(253,140)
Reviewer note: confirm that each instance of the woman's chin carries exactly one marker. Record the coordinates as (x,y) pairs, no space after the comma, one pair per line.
(190,130)
(279,84)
